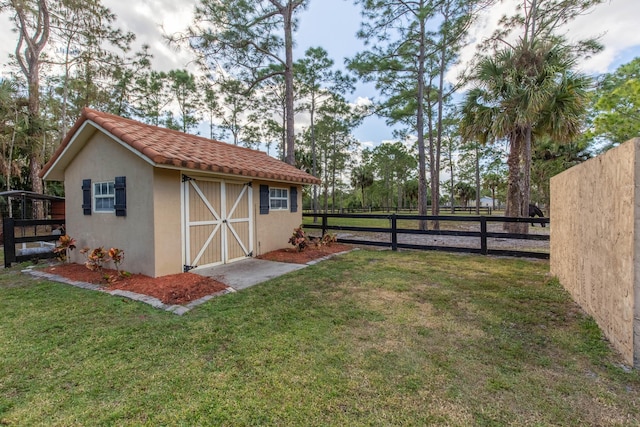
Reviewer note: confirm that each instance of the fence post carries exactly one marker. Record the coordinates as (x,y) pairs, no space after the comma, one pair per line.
(324,224)
(394,233)
(483,235)
(8,235)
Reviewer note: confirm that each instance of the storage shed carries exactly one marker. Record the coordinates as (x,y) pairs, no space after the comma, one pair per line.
(172,201)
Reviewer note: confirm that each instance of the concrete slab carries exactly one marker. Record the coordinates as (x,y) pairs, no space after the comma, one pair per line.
(247,272)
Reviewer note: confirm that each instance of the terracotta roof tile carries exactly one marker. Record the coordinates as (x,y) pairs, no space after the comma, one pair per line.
(168,147)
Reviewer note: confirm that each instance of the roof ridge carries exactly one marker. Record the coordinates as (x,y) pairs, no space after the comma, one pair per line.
(164,147)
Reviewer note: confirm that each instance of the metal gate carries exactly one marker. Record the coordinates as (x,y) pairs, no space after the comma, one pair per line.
(218,221)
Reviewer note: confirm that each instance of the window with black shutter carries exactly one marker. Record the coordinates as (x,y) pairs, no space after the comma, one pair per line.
(120,205)
(264,199)
(293,194)
(86,196)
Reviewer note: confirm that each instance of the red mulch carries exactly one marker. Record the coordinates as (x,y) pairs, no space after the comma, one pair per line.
(182,288)
(309,254)
(172,289)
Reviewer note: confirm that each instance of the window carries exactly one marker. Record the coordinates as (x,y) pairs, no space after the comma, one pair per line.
(278,198)
(104,196)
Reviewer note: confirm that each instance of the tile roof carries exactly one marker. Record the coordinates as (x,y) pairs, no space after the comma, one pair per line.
(177,149)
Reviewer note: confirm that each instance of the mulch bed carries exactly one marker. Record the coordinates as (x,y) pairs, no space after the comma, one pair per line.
(309,254)
(179,288)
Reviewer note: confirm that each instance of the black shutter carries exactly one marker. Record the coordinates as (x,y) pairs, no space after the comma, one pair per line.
(264,199)
(293,195)
(86,196)
(121,196)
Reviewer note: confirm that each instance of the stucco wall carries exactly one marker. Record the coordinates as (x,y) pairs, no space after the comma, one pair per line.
(152,233)
(167,222)
(102,160)
(594,241)
(274,229)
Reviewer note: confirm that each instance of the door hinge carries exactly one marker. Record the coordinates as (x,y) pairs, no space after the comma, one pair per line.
(187,268)
(186,178)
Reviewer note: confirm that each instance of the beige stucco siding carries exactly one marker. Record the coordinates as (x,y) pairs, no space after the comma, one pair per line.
(167,219)
(152,232)
(594,243)
(274,229)
(100,160)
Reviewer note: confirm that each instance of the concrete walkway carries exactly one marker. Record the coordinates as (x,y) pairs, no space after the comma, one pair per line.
(247,272)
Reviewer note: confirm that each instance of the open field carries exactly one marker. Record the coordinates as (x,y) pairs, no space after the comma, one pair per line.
(367,338)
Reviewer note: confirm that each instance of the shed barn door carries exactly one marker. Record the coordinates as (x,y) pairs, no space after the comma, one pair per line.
(218,222)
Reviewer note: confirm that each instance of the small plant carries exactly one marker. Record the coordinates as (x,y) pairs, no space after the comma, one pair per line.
(65,245)
(299,239)
(117,256)
(328,239)
(96,258)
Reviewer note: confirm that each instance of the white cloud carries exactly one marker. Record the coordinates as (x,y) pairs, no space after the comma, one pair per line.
(149,20)
(363,101)
(615,21)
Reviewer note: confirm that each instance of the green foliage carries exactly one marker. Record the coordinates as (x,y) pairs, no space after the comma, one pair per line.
(501,106)
(617,105)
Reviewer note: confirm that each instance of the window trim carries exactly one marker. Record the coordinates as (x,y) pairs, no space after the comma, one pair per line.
(284,197)
(95,196)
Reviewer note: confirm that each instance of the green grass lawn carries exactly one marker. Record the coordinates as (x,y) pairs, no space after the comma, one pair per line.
(367,338)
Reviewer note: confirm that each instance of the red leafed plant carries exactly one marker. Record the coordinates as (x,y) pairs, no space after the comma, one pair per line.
(299,239)
(96,258)
(65,245)
(117,256)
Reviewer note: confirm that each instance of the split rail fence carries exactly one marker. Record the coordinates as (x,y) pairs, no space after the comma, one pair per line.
(484,235)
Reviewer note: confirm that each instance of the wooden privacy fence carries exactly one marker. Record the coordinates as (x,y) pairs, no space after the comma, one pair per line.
(394,231)
(34,237)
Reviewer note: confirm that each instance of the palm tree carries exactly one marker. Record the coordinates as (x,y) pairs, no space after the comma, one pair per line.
(361,178)
(493,181)
(465,192)
(521,93)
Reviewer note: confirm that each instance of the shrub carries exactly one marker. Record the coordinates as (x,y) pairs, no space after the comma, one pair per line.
(328,239)
(64,246)
(96,258)
(117,256)
(299,239)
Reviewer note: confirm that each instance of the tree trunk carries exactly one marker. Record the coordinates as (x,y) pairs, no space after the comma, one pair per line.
(435,167)
(314,158)
(515,191)
(477,180)
(14,133)
(29,62)
(288,81)
(333,176)
(422,170)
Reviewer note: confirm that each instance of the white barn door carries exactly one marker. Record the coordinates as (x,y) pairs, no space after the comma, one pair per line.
(218,222)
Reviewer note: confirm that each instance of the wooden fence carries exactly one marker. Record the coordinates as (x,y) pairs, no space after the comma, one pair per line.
(34,244)
(394,231)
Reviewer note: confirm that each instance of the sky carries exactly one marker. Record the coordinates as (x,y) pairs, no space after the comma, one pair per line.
(333,24)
